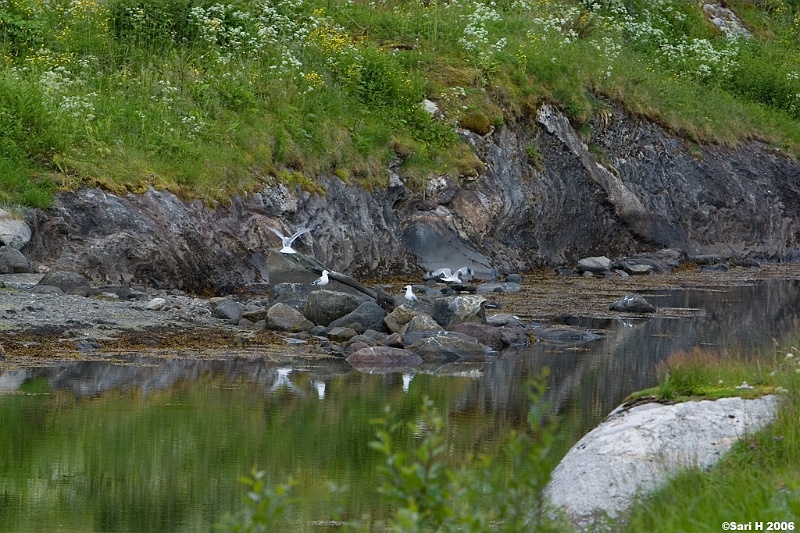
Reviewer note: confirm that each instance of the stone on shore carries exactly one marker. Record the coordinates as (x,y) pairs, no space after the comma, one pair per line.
(636,450)
(13,232)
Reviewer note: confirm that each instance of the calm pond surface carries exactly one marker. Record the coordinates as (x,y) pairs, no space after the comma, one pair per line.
(157,445)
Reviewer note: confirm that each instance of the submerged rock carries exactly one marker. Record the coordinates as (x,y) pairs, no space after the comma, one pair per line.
(632,303)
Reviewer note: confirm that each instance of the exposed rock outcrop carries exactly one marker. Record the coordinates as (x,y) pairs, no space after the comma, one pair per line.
(650,191)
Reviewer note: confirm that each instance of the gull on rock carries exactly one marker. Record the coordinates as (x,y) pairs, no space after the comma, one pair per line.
(410,296)
(447,275)
(287,241)
(322,280)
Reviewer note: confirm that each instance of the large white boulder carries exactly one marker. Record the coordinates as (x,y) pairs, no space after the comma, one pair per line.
(636,450)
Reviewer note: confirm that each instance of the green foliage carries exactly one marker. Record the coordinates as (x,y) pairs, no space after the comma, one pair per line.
(427,493)
(265,506)
(415,481)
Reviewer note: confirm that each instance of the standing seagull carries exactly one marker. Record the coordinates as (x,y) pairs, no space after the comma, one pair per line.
(322,280)
(287,241)
(410,296)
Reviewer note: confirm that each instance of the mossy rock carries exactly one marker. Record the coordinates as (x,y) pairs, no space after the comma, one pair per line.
(476,122)
(469,165)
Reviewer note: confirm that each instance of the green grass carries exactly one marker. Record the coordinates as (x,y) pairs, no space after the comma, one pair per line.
(759,480)
(208,99)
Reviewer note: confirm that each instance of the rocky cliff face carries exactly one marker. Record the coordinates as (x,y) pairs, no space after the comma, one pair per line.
(544,198)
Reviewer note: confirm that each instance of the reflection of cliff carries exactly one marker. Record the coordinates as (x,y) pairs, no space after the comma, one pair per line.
(93,378)
(587,381)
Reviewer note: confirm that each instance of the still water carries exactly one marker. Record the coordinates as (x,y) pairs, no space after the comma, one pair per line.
(157,445)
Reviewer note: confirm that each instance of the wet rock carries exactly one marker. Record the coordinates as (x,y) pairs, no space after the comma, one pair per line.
(452,310)
(13,262)
(449,346)
(88,345)
(368,315)
(383,356)
(283,317)
(69,282)
(632,303)
(323,307)
(494,337)
(567,336)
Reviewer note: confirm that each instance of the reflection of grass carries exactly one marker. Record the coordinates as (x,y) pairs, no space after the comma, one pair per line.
(759,480)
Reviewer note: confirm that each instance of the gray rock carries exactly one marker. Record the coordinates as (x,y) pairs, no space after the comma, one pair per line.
(453,310)
(504,319)
(395,340)
(342,334)
(156,304)
(449,347)
(400,316)
(294,294)
(634,268)
(229,310)
(421,323)
(565,336)
(499,286)
(368,315)
(632,303)
(88,345)
(323,306)
(595,265)
(494,337)
(13,232)
(13,262)
(743,196)
(283,317)
(634,451)
(69,282)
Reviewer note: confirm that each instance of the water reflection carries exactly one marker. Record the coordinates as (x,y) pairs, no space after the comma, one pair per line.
(142,444)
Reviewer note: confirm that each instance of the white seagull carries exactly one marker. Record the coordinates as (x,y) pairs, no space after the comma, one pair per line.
(447,275)
(410,296)
(287,241)
(322,280)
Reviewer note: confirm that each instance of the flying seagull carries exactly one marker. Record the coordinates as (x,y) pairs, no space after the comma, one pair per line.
(410,296)
(322,280)
(287,241)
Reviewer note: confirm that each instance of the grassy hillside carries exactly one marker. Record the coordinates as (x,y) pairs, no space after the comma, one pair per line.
(206,99)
